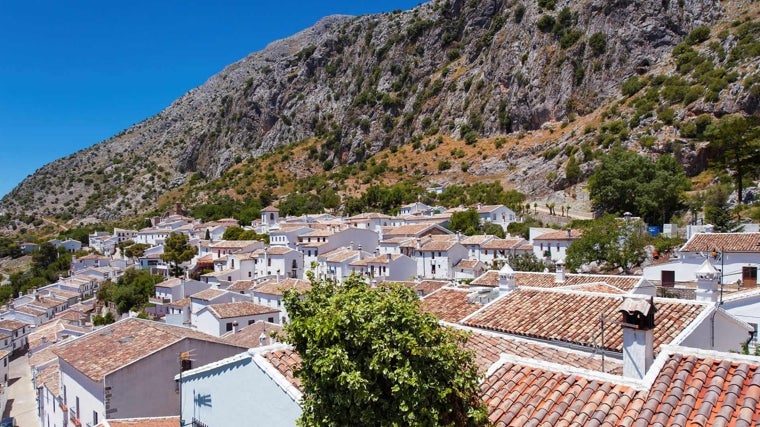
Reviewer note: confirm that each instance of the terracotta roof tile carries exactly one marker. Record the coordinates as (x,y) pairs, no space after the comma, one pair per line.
(560,235)
(239,309)
(121,343)
(248,336)
(286,362)
(411,230)
(11,325)
(450,304)
(548,280)
(554,315)
(702,390)
(208,294)
(727,242)
(423,287)
(241,285)
(49,376)
(504,244)
(518,395)
(275,287)
(489,347)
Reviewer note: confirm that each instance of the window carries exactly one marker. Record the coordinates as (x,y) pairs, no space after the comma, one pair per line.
(94,418)
(228,326)
(749,276)
(251,322)
(186,364)
(270,319)
(249,274)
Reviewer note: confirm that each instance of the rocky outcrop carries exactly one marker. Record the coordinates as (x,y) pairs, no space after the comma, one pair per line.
(369,82)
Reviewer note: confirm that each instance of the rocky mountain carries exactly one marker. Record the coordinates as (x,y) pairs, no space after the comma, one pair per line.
(465,70)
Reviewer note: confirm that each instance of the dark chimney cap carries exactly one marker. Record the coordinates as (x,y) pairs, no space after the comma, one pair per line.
(638,313)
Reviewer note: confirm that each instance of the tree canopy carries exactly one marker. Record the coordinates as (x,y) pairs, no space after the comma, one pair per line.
(626,181)
(735,145)
(610,242)
(176,251)
(131,291)
(370,357)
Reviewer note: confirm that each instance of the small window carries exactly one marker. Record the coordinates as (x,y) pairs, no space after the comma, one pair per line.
(228,327)
(186,364)
(270,319)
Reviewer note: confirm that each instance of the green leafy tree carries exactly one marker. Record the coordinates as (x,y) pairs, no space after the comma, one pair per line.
(132,289)
(526,262)
(176,251)
(467,222)
(494,229)
(370,357)
(735,144)
(610,242)
(717,211)
(626,181)
(136,250)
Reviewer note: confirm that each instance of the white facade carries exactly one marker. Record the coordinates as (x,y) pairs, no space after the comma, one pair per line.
(439,264)
(238,391)
(208,322)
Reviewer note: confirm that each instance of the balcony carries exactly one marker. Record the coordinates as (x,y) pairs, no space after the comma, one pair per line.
(74,417)
(156,300)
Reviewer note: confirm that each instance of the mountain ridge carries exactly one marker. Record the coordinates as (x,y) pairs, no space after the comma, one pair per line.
(360,85)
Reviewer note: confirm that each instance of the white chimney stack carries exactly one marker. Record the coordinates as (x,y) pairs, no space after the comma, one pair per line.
(507,282)
(560,276)
(707,282)
(638,335)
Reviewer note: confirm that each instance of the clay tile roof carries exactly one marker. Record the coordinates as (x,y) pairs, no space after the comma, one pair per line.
(46,301)
(240,285)
(43,356)
(170,283)
(239,309)
(406,230)
(555,315)
(233,244)
(560,235)
(422,288)
(340,255)
(504,244)
(114,346)
(30,310)
(548,280)
(208,294)
(703,390)
(597,288)
(205,259)
(11,325)
(49,377)
(477,239)
(449,304)
(286,362)
(248,336)
(172,421)
(381,259)
(489,348)
(519,395)
(184,302)
(727,242)
(489,278)
(438,245)
(270,208)
(279,250)
(274,287)
(467,263)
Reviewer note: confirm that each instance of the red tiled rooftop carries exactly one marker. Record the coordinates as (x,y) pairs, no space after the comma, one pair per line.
(49,377)
(519,395)
(449,304)
(239,309)
(208,294)
(286,362)
(278,287)
(549,280)
(121,343)
(725,242)
(573,317)
(504,244)
(560,235)
(489,347)
(248,336)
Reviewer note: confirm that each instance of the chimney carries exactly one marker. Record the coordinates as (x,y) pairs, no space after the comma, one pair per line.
(638,335)
(388,257)
(262,339)
(507,281)
(707,282)
(234,327)
(560,277)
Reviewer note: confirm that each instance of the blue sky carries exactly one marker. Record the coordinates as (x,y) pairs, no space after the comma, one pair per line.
(73,73)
